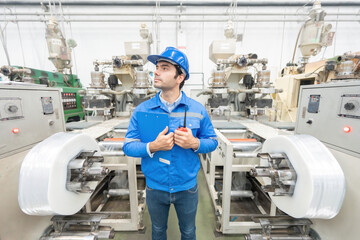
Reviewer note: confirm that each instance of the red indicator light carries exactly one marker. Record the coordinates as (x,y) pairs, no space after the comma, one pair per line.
(347,129)
(16,130)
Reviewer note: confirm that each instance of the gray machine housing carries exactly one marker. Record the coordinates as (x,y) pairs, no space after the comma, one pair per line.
(324,111)
(331,113)
(37,113)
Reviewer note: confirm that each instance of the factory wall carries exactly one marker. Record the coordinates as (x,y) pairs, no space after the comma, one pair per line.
(272,40)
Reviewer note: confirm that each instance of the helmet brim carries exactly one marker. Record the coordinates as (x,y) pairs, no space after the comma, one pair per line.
(155,58)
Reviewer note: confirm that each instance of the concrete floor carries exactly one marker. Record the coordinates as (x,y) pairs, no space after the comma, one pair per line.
(205,220)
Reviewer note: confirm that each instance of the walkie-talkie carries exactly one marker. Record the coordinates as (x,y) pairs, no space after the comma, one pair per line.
(184,127)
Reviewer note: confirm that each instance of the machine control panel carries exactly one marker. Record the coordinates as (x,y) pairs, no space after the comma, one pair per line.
(28,115)
(313,106)
(350,106)
(47,105)
(68,100)
(10,108)
(331,113)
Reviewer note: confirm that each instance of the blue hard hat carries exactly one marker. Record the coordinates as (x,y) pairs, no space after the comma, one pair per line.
(174,56)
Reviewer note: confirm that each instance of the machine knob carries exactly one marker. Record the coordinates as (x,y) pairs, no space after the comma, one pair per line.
(242,61)
(13,108)
(117,62)
(349,106)
(6,71)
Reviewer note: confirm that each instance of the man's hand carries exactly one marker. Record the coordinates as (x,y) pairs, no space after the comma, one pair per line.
(186,139)
(162,142)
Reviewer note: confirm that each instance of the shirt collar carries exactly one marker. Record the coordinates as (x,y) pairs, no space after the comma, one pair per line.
(156,102)
(176,102)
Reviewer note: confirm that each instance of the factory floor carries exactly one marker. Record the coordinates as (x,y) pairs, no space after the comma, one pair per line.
(205,220)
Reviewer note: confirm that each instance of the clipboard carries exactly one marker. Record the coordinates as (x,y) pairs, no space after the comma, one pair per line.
(150,125)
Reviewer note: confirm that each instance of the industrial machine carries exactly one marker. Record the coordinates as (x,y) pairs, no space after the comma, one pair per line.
(67,178)
(240,83)
(238,95)
(274,184)
(60,56)
(69,83)
(29,114)
(269,189)
(263,182)
(258,177)
(122,192)
(331,113)
(314,35)
(341,67)
(128,85)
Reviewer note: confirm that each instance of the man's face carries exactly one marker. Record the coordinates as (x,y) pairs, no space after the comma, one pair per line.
(165,76)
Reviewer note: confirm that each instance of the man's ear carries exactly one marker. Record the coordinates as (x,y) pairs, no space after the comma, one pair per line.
(180,78)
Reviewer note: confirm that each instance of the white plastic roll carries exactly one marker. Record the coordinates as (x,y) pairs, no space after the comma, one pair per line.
(320,186)
(43,174)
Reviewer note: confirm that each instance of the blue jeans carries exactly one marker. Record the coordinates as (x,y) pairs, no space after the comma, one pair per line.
(185,203)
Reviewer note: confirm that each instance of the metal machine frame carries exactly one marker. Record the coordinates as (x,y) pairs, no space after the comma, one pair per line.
(116,160)
(234,159)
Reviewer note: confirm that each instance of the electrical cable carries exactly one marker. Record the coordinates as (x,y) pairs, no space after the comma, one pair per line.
(322,58)
(308,74)
(297,39)
(336,25)
(74,55)
(356,66)
(244,28)
(21,44)
(3,38)
(282,39)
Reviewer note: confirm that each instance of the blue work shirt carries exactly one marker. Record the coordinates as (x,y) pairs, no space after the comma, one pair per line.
(179,172)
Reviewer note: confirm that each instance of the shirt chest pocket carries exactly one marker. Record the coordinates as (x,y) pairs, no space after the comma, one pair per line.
(194,125)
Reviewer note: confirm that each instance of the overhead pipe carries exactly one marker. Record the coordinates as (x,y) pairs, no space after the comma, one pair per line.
(246,61)
(173,14)
(173,20)
(109,91)
(204,92)
(254,90)
(184,3)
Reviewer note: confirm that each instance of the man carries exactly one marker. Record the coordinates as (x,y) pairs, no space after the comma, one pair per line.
(170,161)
